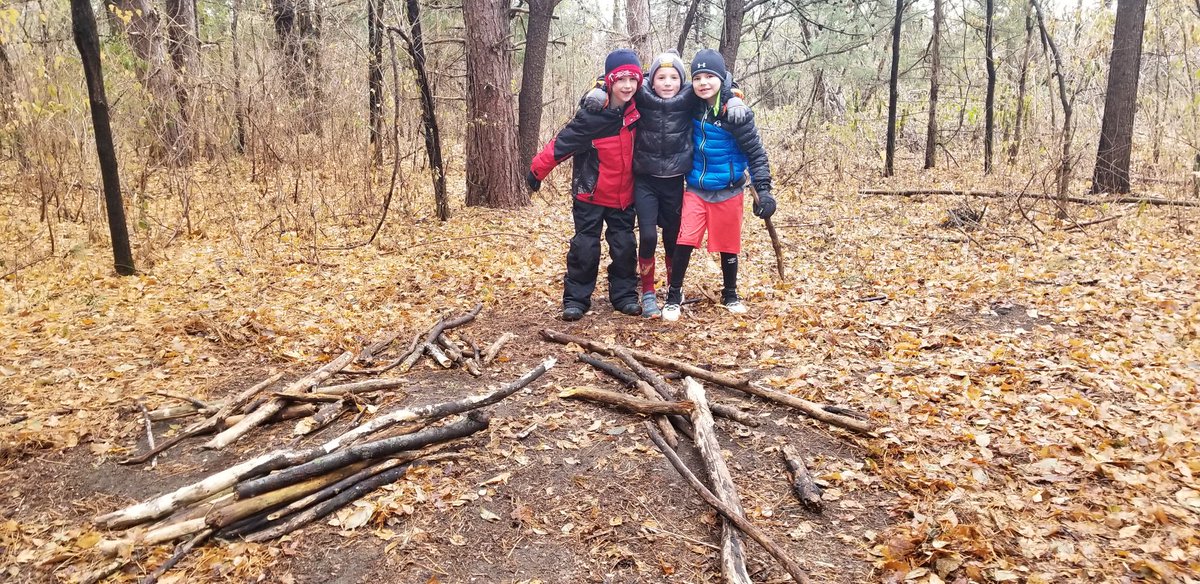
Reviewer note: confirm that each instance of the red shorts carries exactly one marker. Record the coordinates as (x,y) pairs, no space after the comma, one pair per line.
(723,221)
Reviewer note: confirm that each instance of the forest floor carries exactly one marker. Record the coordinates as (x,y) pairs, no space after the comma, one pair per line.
(1035,388)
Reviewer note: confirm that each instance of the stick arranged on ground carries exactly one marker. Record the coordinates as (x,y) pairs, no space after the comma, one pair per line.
(646,407)
(336,392)
(149,432)
(284,458)
(289,413)
(650,358)
(490,354)
(428,344)
(385,338)
(180,552)
(208,424)
(1038,196)
(166,503)
(780,555)
(268,409)
(813,410)
(646,384)
(803,486)
(733,553)
(474,422)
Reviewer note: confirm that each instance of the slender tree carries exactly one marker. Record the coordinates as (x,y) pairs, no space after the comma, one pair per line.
(637,22)
(935,68)
(492,178)
(533,73)
(83,28)
(1116,128)
(375,79)
(1064,166)
(688,21)
(1015,147)
(239,100)
(415,41)
(893,92)
(183,44)
(989,107)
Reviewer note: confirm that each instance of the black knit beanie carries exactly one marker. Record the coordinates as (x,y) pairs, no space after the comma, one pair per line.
(709,61)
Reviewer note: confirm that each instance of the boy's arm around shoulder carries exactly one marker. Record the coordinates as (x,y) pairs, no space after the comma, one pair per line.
(574,138)
(750,142)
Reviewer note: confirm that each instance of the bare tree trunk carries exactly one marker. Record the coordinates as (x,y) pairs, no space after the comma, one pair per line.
(1018,125)
(731,32)
(893,92)
(141,24)
(688,22)
(935,68)
(83,27)
(637,22)
(184,47)
(989,107)
(298,26)
(1120,103)
(533,74)
(433,140)
(375,79)
(492,178)
(239,105)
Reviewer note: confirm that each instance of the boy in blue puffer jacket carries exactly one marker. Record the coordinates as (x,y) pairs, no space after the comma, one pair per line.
(713,199)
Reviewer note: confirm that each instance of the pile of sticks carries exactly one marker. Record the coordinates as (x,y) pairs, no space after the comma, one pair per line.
(273,494)
(309,398)
(690,412)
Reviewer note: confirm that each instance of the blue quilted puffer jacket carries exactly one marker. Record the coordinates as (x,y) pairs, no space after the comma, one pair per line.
(722,152)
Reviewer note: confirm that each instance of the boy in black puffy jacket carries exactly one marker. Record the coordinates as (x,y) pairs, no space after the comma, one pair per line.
(662,155)
(601,143)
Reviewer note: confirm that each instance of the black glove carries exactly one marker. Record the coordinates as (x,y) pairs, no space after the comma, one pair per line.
(765,207)
(536,185)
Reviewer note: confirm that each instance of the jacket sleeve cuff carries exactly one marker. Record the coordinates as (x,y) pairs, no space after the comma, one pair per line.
(544,162)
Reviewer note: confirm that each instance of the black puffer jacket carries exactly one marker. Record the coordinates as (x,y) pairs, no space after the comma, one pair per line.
(663,146)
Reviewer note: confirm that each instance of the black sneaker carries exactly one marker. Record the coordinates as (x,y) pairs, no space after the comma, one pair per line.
(572,313)
(632,308)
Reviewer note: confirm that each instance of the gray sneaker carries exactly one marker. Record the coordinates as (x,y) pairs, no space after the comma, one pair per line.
(650,306)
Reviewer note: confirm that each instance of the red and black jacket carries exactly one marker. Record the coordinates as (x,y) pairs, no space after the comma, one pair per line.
(602,145)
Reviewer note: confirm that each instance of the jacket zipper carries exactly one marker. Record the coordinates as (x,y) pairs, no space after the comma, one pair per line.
(703,152)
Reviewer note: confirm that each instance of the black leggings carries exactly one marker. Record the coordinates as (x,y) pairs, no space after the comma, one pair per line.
(658,202)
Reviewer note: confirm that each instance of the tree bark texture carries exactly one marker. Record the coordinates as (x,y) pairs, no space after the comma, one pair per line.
(146,34)
(375,79)
(731,32)
(688,22)
(989,106)
(637,23)
(733,552)
(239,100)
(183,43)
(1018,125)
(298,28)
(83,28)
(1064,167)
(533,74)
(893,92)
(637,405)
(935,68)
(492,177)
(1120,102)
(429,121)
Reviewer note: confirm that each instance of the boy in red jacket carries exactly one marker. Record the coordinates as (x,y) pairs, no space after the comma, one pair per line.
(602,186)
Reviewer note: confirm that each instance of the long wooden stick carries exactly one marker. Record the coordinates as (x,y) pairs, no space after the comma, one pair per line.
(180,552)
(650,358)
(428,345)
(780,555)
(628,403)
(269,409)
(733,553)
(775,244)
(1038,196)
(812,409)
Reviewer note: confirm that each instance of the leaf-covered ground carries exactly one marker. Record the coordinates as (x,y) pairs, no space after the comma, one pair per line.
(1036,387)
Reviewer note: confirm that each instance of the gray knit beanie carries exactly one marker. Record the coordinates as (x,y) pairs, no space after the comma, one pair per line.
(667,59)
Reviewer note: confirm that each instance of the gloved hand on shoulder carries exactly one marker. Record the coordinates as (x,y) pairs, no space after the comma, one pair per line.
(597,98)
(533,182)
(765,206)
(736,111)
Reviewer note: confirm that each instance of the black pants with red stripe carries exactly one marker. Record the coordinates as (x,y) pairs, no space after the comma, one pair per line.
(583,258)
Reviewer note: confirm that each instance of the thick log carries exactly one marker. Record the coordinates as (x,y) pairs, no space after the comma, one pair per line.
(733,553)
(623,376)
(1038,196)
(650,358)
(439,355)
(798,574)
(628,403)
(180,411)
(494,350)
(247,506)
(430,412)
(806,491)
(270,408)
(330,505)
(341,485)
(112,547)
(169,502)
(474,422)
(324,417)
